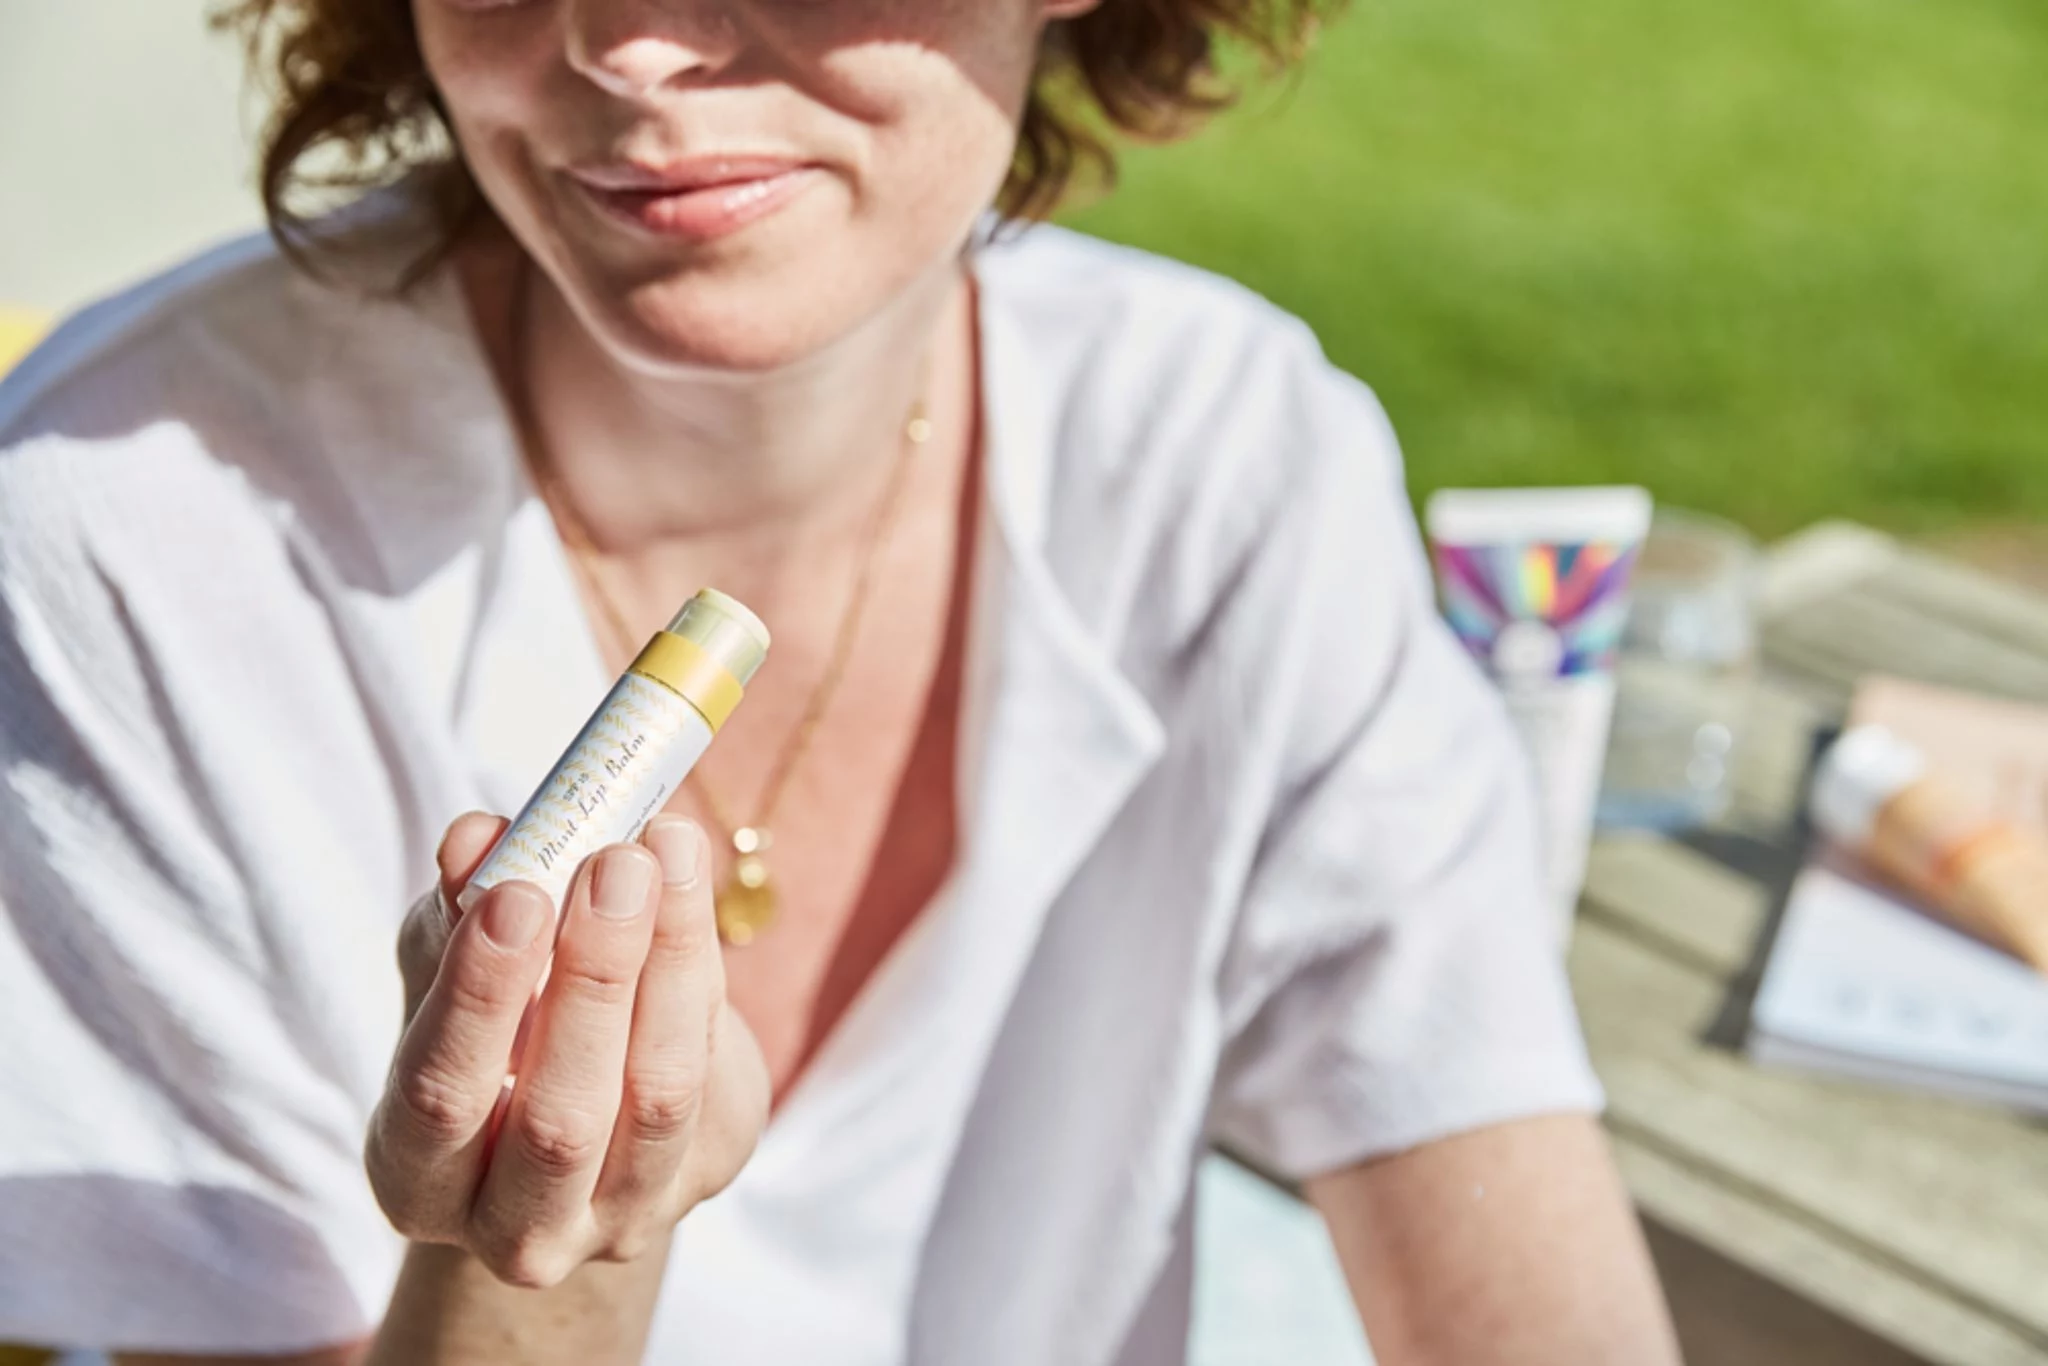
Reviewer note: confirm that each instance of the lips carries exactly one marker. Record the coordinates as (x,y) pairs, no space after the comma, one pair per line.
(699,199)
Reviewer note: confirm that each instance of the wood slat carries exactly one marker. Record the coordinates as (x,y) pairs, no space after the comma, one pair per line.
(1956,593)
(1924,1220)
(1820,561)
(1922,608)
(1952,1196)
(1870,629)
(1685,904)
(1790,1252)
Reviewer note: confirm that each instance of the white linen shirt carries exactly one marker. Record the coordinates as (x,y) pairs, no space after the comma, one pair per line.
(1246,847)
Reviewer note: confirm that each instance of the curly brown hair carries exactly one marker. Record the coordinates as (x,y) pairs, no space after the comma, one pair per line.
(354,108)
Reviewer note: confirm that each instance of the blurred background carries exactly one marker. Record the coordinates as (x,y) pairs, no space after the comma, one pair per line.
(1778,260)
(122,144)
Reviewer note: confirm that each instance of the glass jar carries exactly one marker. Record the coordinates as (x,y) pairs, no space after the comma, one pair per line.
(1687,662)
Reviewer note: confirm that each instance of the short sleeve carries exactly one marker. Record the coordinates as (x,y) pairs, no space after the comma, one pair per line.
(1392,976)
(183,1094)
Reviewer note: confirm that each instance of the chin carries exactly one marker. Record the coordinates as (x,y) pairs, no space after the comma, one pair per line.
(684,326)
(746,317)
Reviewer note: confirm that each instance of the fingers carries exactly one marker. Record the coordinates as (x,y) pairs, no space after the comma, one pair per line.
(588,1156)
(423,937)
(428,1137)
(681,989)
(533,1221)
(468,839)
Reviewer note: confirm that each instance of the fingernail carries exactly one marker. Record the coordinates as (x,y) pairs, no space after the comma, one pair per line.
(513,918)
(677,844)
(624,879)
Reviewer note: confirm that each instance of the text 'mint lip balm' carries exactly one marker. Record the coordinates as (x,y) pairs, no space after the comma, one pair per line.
(634,751)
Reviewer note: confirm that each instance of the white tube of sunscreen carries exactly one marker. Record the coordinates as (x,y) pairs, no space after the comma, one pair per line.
(1535,583)
(635,750)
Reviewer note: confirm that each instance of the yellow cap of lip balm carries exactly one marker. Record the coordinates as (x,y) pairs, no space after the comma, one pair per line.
(708,654)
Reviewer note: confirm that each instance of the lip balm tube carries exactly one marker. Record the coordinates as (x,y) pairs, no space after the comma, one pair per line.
(634,751)
(1535,584)
(1874,796)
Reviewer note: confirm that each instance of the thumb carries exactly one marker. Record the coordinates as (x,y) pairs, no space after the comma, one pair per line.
(463,847)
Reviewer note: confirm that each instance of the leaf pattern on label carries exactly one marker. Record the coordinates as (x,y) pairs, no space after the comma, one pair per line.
(630,755)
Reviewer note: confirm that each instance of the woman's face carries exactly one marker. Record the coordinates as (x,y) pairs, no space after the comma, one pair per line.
(735,185)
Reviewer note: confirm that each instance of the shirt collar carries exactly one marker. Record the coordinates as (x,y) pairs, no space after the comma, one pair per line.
(1063,735)
(1055,737)
(1067,735)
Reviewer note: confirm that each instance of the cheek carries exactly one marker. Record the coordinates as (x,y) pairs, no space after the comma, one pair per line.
(940,106)
(491,69)
(943,136)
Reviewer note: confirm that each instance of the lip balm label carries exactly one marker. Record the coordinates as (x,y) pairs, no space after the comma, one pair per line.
(627,761)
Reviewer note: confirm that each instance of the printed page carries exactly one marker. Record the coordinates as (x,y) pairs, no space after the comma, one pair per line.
(1863,983)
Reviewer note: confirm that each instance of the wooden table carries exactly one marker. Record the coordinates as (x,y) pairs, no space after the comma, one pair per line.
(1802,1219)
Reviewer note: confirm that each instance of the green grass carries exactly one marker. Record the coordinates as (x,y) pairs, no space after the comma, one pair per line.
(1778,259)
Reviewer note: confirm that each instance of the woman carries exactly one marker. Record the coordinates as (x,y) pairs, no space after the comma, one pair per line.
(1124,794)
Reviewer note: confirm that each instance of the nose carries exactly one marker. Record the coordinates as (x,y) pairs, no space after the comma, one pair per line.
(634,47)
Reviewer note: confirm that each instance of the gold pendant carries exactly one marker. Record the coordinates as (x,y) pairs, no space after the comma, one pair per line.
(747,903)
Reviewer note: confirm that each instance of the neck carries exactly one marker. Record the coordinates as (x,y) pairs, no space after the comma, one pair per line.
(647,459)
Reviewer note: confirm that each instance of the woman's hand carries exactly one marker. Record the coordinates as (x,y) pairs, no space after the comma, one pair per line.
(639,1092)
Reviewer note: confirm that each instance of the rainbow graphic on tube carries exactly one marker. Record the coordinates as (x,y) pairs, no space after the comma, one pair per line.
(1577,590)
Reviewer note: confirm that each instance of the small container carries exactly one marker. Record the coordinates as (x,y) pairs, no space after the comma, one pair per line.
(1874,795)
(1687,664)
(635,750)
(1535,584)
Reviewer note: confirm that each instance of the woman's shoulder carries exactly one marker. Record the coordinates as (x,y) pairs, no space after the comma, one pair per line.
(127,352)
(1088,290)
(157,397)
(99,425)
(1148,354)
(232,323)
(235,390)
(1185,419)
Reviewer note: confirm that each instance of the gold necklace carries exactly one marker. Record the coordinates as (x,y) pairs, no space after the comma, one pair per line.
(748,901)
